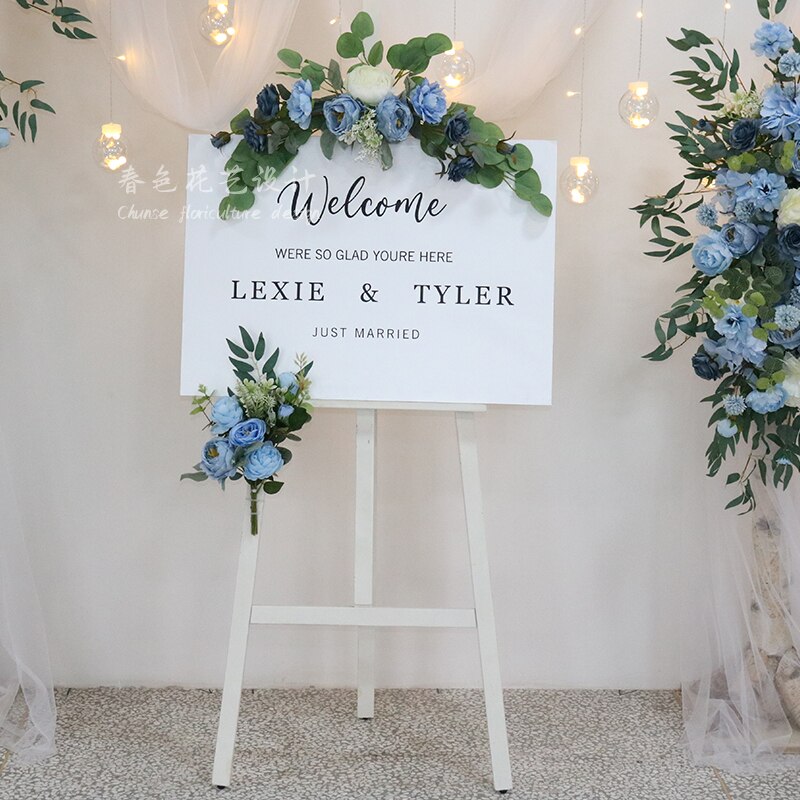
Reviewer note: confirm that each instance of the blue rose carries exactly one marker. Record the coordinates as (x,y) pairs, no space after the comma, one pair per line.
(226,413)
(743,134)
(772,39)
(248,432)
(741,237)
(766,402)
(789,241)
(299,104)
(262,462)
(285,410)
(217,459)
(704,366)
(727,428)
(341,113)
(428,100)
(393,118)
(217,139)
(711,254)
(457,128)
(255,136)
(268,101)
(288,381)
(460,167)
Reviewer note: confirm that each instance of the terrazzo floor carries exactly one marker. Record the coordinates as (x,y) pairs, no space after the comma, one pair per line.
(149,744)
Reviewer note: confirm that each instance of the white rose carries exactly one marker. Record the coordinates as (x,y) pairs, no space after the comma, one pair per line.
(789,211)
(791,383)
(369,84)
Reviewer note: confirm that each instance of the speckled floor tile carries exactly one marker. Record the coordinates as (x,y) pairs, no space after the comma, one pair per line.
(137,744)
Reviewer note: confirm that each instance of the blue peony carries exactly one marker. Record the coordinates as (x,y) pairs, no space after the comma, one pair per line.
(727,428)
(285,410)
(766,402)
(704,366)
(743,134)
(460,167)
(262,462)
(789,65)
(341,113)
(288,381)
(248,432)
(225,414)
(217,459)
(457,128)
(735,324)
(393,118)
(299,104)
(254,136)
(765,189)
(741,237)
(428,100)
(780,111)
(707,215)
(268,101)
(772,39)
(710,253)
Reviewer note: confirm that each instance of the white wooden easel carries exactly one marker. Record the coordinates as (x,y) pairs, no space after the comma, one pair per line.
(362,614)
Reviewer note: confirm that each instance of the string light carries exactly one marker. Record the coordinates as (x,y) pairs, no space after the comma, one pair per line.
(638,107)
(457,66)
(578,183)
(571,93)
(216,22)
(110,150)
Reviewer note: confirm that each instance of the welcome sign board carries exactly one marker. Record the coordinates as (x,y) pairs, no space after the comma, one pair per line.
(400,285)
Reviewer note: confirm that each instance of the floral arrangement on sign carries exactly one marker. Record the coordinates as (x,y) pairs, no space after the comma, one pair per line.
(250,423)
(743,300)
(363,109)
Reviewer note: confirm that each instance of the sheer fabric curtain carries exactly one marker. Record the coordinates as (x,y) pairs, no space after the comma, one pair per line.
(27,707)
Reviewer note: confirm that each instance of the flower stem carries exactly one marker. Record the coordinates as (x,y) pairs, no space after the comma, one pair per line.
(254,510)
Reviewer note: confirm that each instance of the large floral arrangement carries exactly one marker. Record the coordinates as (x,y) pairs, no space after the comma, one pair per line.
(251,422)
(743,300)
(369,108)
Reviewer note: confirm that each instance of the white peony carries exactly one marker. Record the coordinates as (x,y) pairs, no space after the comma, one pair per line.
(789,211)
(369,84)
(791,383)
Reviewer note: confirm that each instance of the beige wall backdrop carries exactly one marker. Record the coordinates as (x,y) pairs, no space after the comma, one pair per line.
(595,506)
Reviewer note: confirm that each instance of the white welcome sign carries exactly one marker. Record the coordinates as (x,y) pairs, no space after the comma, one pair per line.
(399,285)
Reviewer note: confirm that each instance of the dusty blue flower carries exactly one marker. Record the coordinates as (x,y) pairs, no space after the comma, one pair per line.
(735,324)
(734,405)
(262,462)
(743,134)
(288,381)
(247,432)
(428,100)
(767,402)
(743,210)
(772,39)
(707,215)
(457,128)
(254,136)
(789,65)
(780,111)
(460,167)
(765,189)
(393,118)
(268,101)
(220,139)
(299,104)
(741,237)
(710,253)
(341,113)
(225,413)
(217,459)
(706,125)
(787,318)
(727,428)
(794,296)
(786,340)
(285,410)
(704,366)
(789,241)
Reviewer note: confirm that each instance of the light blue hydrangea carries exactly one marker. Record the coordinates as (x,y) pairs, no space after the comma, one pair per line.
(727,428)
(772,39)
(780,111)
(789,64)
(787,318)
(734,405)
(707,215)
(767,402)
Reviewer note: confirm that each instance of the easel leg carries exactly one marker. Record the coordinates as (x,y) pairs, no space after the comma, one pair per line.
(237,651)
(484,607)
(365,524)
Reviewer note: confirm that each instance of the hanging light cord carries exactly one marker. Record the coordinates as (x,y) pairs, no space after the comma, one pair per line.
(110,65)
(583,78)
(641,39)
(724,21)
(340,17)
(455,3)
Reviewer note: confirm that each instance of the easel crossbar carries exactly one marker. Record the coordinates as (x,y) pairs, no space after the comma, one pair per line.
(364,616)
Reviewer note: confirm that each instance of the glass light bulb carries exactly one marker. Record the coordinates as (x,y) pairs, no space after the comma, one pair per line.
(638,107)
(578,183)
(216,23)
(457,67)
(109,149)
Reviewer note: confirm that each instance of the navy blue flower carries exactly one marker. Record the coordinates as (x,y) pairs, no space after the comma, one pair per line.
(789,241)
(706,125)
(268,101)
(704,366)
(220,139)
(457,128)
(460,167)
(743,134)
(254,136)
(393,118)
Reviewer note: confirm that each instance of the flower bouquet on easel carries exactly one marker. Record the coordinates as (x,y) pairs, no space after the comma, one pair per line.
(262,411)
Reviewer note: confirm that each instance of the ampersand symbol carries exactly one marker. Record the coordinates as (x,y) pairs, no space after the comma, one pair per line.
(368,294)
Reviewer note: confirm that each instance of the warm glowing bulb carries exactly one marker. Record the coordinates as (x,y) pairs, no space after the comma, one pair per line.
(577,196)
(727,6)
(121,57)
(221,37)
(578,30)
(216,22)
(230,31)
(578,182)
(333,20)
(222,8)
(457,66)
(109,149)
(571,93)
(639,14)
(638,107)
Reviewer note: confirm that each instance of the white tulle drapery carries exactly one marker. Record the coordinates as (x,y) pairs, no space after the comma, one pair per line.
(175,71)
(27,706)
(741,687)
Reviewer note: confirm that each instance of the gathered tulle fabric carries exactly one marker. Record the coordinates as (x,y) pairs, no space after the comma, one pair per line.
(27,705)
(741,668)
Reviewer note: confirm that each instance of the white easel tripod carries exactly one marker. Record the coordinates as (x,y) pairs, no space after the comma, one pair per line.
(362,613)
